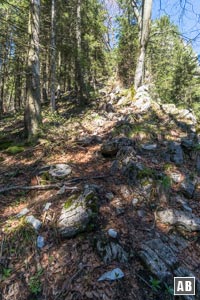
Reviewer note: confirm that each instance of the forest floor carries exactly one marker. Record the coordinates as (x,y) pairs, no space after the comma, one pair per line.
(70,268)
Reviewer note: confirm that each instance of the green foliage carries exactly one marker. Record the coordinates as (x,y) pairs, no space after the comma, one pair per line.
(35,284)
(127,44)
(178,80)
(6,273)
(169,290)
(166,182)
(155,284)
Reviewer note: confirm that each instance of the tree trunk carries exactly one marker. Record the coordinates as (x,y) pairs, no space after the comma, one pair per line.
(32,117)
(144,19)
(78,63)
(53,56)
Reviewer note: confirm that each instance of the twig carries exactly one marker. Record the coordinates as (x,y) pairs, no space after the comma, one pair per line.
(143,280)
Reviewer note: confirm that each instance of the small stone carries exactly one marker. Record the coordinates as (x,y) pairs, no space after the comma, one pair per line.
(40,241)
(141,213)
(112,275)
(60,170)
(34,222)
(188,188)
(112,233)
(61,190)
(109,196)
(149,147)
(23,212)
(135,201)
(119,211)
(47,206)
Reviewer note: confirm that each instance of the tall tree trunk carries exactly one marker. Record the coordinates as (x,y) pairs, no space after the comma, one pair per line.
(143,16)
(18,87)
(53,56)
(78,63)
(32,117)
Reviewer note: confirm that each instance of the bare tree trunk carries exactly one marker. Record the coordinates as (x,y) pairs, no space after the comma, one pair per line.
(32,117)
(143,16)
(78,66)
(53,56)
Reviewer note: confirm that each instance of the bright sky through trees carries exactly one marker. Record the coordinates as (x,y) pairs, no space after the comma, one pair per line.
(184,13)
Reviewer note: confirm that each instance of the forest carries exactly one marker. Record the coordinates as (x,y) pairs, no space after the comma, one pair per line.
(99,151)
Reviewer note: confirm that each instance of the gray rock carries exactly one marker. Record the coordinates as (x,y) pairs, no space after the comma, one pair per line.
(143,102)
(60,170)
(23,212)
(47,206)
(169,108)
(149,147)
(34,222)
(176,153)
(78,212)
(188,221)
(187,144)
(109,196)
(198,164)
(110,251)
(135,201)
(40,241)
(115,274)
(184,203)
(154,263)
(163,251)
(141,213)
(176,177)
(112,233)
(110,148)
(184,272)
(188,188)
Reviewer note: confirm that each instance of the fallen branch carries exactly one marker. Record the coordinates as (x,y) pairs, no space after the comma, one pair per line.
(35,187)
(51,186)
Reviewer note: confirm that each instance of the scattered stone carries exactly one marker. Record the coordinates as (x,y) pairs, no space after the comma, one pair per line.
(135,201)
(115,274)
(184,203)
(188,188)
(154,263)
(110,148)
(112,233)
(176,177)
(169,108)
(143,103)
(40,241)
(141,213)
(109,196)
(61,190)
(198,165)
(120,211)
(34,222)
(149,147)
(187,144)
(188,221)
(78,212)
(110,251)
(176,153)
(163,251)
(47,206)
(23,212)
(60,171)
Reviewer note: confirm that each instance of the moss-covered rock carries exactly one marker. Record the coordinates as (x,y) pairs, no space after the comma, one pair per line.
(79,213)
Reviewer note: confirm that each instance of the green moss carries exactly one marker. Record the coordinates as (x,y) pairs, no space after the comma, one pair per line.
(14,149)
(168,167)
(70,201)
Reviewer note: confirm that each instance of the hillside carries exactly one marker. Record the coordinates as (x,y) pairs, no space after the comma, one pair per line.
(114,184)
